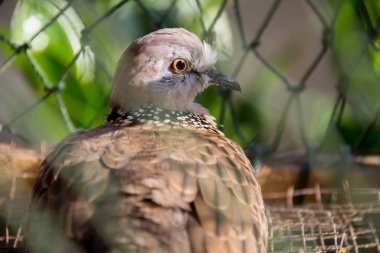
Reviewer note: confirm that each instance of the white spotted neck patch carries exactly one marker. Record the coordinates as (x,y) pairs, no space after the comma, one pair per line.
(150,115)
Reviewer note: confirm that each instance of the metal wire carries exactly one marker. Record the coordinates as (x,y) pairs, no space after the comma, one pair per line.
(350,225)
(319,226)
(294,89)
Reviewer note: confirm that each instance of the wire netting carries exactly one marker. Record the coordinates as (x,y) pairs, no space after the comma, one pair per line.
(321,226)
(294,89)
(332,220)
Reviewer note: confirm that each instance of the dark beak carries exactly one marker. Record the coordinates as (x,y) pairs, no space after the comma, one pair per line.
(219,79)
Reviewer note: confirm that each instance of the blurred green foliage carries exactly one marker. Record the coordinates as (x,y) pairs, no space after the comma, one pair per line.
(85,90)
(358,58)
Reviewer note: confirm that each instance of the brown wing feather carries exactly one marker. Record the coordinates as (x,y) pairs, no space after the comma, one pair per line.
(133,189)
(228,203)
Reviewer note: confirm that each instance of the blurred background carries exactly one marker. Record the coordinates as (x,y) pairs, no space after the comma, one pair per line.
(307,116)
(309,72)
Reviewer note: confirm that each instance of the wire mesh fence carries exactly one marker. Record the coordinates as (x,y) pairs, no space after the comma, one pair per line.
(294,89)
(315,228)
(333,220)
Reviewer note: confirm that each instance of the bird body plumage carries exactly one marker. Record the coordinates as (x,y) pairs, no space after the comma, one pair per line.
(150,179)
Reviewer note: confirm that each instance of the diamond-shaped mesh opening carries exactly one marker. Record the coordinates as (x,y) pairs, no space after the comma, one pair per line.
(325,220)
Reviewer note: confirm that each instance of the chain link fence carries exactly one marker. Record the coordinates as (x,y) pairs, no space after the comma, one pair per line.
(330,228)
(294,88)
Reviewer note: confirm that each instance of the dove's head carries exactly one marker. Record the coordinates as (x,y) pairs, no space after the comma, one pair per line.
(166,68)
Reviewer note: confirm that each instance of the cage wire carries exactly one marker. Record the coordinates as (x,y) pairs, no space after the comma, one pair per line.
(332,220)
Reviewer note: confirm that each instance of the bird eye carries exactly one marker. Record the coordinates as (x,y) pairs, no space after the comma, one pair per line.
(180,65)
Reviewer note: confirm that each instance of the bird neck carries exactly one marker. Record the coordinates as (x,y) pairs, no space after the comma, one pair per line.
(153,115)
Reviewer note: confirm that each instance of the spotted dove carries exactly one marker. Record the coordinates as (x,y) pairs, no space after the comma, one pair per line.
(158,176)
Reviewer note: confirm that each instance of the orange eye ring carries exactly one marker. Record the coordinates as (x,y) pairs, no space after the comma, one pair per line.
(180,65)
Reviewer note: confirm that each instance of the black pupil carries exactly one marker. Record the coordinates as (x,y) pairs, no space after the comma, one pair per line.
(180,65)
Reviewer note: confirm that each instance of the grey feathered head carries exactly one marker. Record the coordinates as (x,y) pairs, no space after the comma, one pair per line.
(166,68)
